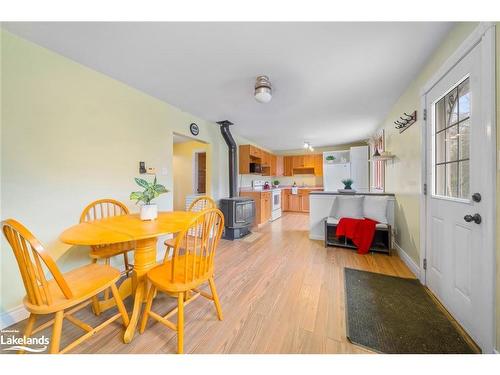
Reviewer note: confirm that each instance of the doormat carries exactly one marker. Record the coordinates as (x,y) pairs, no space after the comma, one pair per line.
(391,314)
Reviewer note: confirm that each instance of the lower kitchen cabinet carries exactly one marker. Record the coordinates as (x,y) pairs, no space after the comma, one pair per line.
(295,202)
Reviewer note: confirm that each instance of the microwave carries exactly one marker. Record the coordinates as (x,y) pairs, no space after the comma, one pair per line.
(255,168)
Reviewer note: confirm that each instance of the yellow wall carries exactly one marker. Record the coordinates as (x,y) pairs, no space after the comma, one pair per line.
(403,174)
(183,164)
(71,135)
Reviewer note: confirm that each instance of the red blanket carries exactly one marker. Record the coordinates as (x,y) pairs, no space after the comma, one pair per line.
(359,231)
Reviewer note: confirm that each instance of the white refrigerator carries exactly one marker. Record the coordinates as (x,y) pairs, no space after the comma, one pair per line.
(333,174)
(352,164)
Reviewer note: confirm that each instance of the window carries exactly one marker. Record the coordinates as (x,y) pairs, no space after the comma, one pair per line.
(451,142)
(378,167)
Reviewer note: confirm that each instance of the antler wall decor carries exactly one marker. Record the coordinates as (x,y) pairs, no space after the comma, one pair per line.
(404,123)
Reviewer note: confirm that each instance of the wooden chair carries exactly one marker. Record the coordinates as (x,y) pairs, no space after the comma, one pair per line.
(101,209)
(191,265)
(73,290)
(199,204)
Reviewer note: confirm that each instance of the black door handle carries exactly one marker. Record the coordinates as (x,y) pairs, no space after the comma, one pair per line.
(476,218)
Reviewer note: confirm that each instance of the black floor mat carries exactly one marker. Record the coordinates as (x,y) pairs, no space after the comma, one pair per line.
(396,315)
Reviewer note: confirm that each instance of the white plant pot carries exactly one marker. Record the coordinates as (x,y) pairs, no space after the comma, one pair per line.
(149,212)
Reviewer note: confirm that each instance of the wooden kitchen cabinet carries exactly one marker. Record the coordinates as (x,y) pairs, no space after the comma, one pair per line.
(288,165)
(318,164)
(295,202)
(304,200)
(280,167)
(274,165)
(255,152)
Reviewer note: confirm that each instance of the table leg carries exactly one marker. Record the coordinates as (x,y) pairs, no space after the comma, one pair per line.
(144,260)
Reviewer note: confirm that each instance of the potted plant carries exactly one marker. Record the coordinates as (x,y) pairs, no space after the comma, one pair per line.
(329,159)
(347,183)
(152,190)
(276,183)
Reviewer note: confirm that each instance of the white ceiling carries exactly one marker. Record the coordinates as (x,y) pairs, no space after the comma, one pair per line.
(333,82)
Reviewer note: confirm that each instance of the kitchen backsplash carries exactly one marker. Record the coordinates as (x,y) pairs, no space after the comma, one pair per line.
(245,180)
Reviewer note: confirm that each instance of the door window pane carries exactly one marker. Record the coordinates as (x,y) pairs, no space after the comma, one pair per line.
(463,139)
(463,175)
(452,179)
(464,100)
(440,147)
(452,143)
(451,107)
(440,179)
(440,114)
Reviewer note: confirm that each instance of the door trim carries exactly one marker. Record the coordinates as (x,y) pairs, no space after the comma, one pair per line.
(484,33)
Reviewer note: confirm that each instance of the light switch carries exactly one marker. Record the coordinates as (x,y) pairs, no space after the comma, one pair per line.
(164,171)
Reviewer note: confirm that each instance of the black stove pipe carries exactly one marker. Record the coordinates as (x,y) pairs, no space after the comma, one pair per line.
(233,156)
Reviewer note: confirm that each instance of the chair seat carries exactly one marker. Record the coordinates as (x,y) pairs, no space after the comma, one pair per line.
(108,251)
(161,276)
(334,221)
(84,283)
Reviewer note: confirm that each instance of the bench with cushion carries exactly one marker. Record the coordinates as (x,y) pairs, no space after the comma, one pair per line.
(358,207)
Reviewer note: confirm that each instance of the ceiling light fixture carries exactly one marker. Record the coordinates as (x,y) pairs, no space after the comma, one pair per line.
(263,89)
(308,146)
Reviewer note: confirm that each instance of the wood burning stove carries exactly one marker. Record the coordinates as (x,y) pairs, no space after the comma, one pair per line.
(239,212)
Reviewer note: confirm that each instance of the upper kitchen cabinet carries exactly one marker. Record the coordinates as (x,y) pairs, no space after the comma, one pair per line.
(280,166)
(274,165)
(307,164)
(248,154)
(288,166)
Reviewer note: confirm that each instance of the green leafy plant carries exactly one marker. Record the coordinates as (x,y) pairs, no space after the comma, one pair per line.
(330,158)
(151,191)
(347,183)
(276,182)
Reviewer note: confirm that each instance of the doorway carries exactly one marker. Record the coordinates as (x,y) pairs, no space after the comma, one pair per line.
(191,169)
(200,172)
(459,229)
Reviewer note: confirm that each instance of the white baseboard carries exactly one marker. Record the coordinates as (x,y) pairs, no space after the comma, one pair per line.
(13,316)
(408,261)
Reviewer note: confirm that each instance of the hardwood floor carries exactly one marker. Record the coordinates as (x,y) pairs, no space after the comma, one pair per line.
(282,293)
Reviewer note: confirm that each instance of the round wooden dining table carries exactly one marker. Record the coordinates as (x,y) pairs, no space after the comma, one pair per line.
(126,228)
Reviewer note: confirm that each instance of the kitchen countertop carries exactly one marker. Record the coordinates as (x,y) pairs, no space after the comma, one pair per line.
(252,190)
(349,194)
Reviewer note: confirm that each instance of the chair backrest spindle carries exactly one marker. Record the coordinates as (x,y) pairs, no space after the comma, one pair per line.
(193,255)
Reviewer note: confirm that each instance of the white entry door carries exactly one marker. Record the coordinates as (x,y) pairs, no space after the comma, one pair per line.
(459,268)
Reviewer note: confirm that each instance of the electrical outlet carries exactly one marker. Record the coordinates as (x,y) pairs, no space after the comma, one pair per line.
(151,170)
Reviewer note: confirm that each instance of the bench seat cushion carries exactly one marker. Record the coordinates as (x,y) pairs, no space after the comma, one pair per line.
(334,221)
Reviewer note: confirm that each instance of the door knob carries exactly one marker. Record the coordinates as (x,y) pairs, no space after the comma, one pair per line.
(476,197)
(476,218)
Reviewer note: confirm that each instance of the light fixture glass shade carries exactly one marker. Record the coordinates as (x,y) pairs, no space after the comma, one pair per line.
(263,94)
